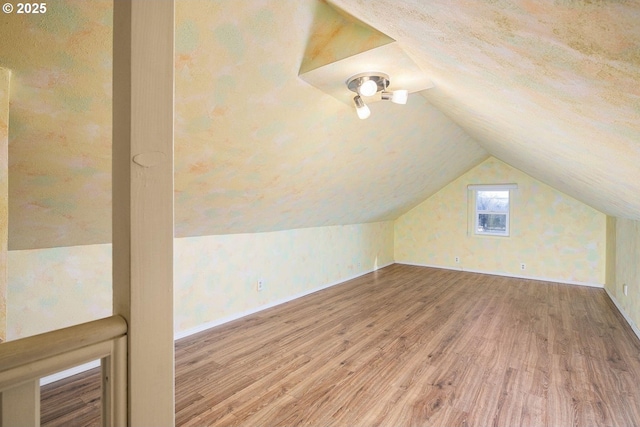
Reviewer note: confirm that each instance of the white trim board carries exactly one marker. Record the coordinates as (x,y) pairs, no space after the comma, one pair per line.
(624,313)
(492,187)
(69,372)
(203,327)
(497,273)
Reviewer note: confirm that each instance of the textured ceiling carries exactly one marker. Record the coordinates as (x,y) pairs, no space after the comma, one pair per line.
(549,87)
(256,147)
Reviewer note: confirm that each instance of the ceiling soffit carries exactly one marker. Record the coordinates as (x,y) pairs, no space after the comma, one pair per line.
(340,46)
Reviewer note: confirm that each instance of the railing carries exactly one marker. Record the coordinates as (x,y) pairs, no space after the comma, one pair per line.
(23,362)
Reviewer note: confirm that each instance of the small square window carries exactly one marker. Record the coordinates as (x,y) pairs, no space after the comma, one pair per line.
(492,212)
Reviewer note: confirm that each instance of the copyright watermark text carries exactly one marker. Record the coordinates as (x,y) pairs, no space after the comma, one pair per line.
(25,8)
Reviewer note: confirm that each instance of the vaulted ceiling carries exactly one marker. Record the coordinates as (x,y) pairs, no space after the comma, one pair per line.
(548,87)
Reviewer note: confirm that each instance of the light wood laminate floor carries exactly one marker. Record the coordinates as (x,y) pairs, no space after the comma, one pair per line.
(404,346)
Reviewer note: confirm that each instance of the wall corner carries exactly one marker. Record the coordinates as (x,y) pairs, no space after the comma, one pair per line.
(610,255)
(5,76)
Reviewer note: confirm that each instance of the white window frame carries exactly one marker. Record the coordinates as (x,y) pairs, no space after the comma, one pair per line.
(476,213)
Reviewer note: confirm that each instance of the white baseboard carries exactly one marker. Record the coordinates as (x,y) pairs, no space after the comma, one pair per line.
(200,328)
(498,273)
(69,372)
(203,327)
(624,313)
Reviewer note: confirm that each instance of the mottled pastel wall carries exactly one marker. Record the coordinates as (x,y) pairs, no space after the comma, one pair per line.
(216,275)
(5,76)
(556,236)
(60,124)
(626,242)
(57,287)
(549,87)
(256,147)
(260,149)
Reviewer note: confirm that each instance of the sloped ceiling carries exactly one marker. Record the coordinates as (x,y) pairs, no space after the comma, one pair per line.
(259,149)
(256,148)
(548,87)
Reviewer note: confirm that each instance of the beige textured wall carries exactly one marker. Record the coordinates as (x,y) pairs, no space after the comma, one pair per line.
(556,236)
(626,241)
(215,276)
(5,76)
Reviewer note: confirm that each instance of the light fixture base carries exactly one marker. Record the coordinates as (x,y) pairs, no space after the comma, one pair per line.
(380,79)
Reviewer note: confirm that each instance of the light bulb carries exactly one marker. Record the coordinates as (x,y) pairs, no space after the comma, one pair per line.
(368,88)
(361,108)
(400,96)
(363,112)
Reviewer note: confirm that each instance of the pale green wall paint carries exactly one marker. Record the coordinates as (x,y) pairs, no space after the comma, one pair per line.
(625,239)
(557,237)
(186,37)
(215,276)
(58,287)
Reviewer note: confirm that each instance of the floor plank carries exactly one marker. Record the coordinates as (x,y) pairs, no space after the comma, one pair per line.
(403,346)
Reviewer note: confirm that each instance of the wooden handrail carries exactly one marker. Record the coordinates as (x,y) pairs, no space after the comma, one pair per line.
(49,344)
(23,362)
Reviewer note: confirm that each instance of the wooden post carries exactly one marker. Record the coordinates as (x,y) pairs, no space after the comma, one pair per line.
(114,385)
(20,405)
(143,69)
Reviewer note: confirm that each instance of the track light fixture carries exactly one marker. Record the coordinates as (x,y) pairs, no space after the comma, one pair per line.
(370,83)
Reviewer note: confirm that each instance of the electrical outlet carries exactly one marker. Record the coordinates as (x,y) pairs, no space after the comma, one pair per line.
(523,266)
(457,260)
(260,285)
(625,289)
